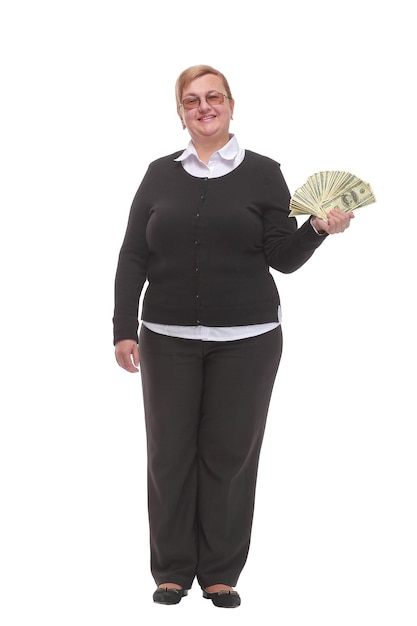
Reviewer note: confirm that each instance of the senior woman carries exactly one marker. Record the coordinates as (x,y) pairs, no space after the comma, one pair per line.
(206,225)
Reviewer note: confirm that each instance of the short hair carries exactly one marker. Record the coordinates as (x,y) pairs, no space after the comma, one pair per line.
(196,71)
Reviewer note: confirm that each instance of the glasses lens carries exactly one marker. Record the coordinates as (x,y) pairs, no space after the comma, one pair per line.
(215,98)
(191,102)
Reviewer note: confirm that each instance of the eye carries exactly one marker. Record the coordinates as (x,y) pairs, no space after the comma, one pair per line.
(190,101)
(215,98)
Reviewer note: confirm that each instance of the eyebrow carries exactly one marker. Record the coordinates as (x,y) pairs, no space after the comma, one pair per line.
(196,94)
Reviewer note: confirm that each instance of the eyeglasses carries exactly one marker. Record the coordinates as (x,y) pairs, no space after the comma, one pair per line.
(214,97)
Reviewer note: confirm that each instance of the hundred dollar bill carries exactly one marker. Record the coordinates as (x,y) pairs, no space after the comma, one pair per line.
(329,189)
(351,198)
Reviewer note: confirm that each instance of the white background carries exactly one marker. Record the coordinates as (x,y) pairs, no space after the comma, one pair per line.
(87,101)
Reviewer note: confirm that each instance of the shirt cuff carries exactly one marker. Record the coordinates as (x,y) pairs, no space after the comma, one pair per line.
(315,230)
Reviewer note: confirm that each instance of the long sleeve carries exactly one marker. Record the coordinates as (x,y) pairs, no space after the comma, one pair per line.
(286,246)
(131,272)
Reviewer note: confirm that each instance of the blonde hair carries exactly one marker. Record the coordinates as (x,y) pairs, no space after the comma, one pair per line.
(193,72)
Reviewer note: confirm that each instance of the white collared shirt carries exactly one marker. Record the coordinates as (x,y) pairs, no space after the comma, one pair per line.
(221,163)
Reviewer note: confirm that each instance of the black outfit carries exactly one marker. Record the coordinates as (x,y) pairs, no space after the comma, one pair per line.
(205,246)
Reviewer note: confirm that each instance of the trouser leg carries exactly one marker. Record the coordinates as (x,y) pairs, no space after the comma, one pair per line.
(171,371)
(205,409)
(238,382)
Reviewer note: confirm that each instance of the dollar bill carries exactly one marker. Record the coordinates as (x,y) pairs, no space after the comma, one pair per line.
(330,189)
(350,198)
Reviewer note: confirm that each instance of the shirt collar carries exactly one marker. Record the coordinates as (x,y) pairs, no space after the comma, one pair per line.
(228,152)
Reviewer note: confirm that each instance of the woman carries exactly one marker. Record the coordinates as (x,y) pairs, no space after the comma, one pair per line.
(205,226)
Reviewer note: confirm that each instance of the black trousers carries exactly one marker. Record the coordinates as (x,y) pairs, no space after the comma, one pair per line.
(205,405)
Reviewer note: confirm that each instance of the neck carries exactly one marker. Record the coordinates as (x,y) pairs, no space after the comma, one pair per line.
(208,147)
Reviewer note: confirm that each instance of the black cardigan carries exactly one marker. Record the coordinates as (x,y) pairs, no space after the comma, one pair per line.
(205,246)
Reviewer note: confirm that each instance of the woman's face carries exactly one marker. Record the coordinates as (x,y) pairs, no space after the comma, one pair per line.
(207,121)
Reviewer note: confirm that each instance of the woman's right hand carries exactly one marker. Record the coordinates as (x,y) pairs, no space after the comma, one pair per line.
(127,355)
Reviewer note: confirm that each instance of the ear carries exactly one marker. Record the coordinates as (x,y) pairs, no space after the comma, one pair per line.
(232,108)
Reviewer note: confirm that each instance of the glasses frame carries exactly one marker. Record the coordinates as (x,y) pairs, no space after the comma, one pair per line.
(198,99)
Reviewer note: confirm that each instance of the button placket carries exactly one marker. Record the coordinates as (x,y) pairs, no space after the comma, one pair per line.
(197,255)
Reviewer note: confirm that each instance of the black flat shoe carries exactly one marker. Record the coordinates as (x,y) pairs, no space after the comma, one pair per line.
(226,599)
(168,595)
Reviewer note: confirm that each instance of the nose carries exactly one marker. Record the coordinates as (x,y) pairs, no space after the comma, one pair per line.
(204,105)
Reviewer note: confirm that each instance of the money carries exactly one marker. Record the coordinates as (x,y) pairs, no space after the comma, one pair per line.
(330,189)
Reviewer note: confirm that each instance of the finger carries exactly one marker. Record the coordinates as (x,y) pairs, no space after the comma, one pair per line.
(338,221)
(135,356)
(127,364)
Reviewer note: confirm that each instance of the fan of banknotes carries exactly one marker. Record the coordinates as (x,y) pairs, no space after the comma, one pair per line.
(328,190)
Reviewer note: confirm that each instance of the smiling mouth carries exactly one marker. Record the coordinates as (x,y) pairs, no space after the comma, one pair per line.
(207,118)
